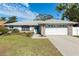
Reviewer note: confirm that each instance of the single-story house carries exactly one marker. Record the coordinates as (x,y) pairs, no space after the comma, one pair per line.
(48,27)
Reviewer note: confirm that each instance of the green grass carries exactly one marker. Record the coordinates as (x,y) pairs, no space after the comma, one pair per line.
(17,45)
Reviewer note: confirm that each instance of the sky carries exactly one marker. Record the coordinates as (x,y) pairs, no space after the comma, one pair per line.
(28,11)
(45,8)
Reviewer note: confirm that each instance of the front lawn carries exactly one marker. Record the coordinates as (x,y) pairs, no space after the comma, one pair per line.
(24,46)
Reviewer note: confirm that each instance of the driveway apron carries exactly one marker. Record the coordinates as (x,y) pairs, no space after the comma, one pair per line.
(67,45)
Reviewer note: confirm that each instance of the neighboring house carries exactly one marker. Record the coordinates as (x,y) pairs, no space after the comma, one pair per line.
(48,27)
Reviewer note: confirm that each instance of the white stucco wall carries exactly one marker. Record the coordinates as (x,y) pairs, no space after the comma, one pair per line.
(56,31)
(19,28)
(31,28)
(7,27)
(75,31)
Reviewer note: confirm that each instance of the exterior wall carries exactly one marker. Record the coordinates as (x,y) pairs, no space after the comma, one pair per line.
(75,31)
(42,26)
(53,31)
(35,31)
(56,31)
(20,28)
(69,29)
(32,29)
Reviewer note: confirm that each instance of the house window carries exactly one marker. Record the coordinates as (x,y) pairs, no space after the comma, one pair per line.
(62,25)
(55,25)
(11,27)
(49,25)
(25,28)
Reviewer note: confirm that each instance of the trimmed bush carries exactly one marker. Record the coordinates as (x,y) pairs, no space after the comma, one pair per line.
(3,30)
(27,34)
(15,31)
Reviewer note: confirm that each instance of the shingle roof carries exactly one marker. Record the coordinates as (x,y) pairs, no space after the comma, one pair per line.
(22,23)
(50,21)
(59,22)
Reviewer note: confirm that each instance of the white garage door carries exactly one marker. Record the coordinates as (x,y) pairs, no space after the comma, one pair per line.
(75,31)
(56,31)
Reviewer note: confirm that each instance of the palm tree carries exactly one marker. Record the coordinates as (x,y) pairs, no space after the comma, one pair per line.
(70,11)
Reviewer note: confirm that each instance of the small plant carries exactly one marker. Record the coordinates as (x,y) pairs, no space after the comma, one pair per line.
(3,30)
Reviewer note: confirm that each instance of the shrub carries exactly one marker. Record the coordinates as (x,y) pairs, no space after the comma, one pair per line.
(15,31)
(3,30)
(29,34)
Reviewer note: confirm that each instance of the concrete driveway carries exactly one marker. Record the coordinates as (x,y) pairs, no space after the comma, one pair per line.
(67,45)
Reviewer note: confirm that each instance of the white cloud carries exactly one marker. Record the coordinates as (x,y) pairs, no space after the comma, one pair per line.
(26,4)
(19,10)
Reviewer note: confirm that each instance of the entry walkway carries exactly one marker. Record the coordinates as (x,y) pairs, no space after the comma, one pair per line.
(38,36)
(67,45)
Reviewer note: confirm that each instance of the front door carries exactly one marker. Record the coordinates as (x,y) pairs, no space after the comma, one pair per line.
(37,30)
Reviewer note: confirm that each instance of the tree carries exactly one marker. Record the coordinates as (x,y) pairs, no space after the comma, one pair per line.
(12,19)
(70,11)
(2,18)
(43,17)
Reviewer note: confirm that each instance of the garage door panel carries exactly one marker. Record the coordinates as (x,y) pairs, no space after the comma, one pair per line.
(56,31)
